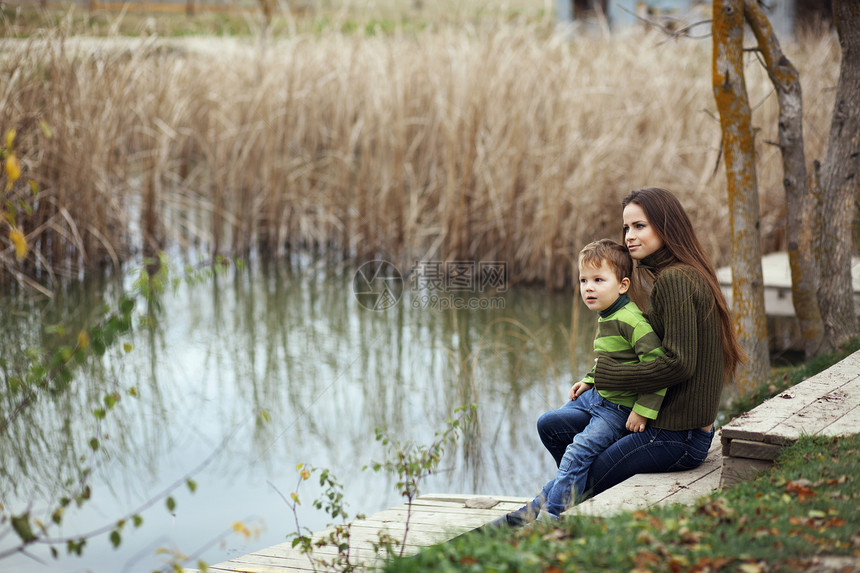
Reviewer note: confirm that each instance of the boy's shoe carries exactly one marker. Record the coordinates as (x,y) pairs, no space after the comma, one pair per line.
(545,516)
(517,518)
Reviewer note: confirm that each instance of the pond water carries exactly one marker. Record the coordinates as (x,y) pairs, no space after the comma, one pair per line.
(244,375)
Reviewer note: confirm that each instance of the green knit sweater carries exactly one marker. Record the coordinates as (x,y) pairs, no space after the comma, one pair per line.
(683,313)
(624,335)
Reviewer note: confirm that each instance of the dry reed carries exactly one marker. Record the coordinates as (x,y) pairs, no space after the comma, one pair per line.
(502,143)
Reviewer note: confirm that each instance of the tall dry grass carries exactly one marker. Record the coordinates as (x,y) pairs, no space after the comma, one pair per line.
(481,143)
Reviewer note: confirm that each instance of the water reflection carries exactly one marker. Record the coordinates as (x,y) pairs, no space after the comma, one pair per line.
(295,344)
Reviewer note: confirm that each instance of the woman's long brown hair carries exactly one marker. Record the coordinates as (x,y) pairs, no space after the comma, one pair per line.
(672,224)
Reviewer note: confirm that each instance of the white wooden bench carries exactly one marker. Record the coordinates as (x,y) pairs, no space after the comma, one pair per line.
(826,404)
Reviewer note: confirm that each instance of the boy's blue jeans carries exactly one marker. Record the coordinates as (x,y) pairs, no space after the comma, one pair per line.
(597,424)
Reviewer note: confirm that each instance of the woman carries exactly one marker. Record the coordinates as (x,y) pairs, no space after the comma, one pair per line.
(687,310)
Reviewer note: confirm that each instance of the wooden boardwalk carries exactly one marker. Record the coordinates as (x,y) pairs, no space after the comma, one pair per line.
(435,518)
(439,517)
(827,404)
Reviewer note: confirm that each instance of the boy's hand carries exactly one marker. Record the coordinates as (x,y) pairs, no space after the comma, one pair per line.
(578,389)
(636,422)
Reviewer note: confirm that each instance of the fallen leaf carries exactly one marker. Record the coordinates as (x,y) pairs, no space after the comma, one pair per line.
(750,567)
(801,488)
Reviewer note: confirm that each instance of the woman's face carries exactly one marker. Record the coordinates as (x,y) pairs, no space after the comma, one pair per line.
(639,235)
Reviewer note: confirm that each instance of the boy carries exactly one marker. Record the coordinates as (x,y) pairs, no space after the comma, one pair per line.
(600,418)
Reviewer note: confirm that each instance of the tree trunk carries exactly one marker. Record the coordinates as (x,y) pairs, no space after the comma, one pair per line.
(839,181)
(799,202)
(745,256)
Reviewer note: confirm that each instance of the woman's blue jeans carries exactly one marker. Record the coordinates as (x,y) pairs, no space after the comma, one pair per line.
(651,451)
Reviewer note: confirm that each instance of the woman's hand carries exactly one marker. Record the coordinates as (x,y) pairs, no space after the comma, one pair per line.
(578,389)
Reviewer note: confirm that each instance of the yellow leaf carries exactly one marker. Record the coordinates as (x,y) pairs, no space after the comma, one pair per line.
(295,497)
(21,246)
(13,170)
(127,347)
(83,340)
(10,138)
(46,129)
(239,527)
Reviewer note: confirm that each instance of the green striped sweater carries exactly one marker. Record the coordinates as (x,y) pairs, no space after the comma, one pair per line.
(625,335)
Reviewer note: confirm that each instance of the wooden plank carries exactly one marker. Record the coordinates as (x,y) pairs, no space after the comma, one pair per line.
(418,533)
(270,555)
(399,513)
(255,563)
(704,485)
(459,505)
(760,423)
(736,470)
(812,419)
(848,367)
(416,536)
(464,497)
(439,521)
(848,424)
(762,420)
(361,551)
(282,567)
(287,560)
(754,450)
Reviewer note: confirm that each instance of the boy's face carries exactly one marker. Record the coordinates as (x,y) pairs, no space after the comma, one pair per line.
(599,286)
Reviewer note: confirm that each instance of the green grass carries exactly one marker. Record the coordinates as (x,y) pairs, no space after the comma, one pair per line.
(803,511)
